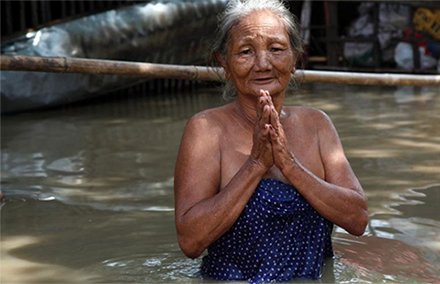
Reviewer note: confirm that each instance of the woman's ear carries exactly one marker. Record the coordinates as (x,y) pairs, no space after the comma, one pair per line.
(293,70)
(220,59)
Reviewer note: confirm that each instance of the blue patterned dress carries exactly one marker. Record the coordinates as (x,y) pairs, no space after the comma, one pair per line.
(278,237)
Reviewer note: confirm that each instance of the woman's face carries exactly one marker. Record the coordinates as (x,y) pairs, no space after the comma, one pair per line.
(259,55)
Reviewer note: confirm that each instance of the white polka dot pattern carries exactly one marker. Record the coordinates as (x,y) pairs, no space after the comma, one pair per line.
(278,237)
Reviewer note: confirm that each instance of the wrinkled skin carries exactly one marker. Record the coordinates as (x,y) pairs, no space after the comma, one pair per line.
(226,151)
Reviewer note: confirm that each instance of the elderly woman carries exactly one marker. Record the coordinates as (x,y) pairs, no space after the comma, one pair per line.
(257,183)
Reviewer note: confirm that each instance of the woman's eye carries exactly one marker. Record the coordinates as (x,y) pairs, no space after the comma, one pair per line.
(245,51)
(276,49)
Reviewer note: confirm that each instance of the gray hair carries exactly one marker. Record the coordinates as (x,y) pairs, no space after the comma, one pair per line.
(235,11)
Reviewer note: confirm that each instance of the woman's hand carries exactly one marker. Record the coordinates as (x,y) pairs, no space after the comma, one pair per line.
(280,153)
(261,152)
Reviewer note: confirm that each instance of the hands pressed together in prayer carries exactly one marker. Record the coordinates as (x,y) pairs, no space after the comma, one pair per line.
(269,141)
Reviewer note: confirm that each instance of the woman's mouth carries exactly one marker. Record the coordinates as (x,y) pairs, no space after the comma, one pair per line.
(264,80)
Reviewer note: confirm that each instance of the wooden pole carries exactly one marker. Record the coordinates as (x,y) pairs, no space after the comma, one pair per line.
(355,78)
(190,72)
(108,67)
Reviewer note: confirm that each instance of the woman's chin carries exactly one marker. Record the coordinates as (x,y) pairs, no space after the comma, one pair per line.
(273,90)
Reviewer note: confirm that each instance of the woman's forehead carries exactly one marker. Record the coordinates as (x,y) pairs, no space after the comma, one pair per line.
(263,17)
(258,23)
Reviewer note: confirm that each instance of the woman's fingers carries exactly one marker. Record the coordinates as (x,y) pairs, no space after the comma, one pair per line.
(266,131)
(271,133)
(264,107)
(264,102)
(262,148)
(265,116)
(281,154)
(274,118)
(261,103)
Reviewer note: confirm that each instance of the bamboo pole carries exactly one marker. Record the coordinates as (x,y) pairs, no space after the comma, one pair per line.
(190,72)
(107,67)
(355,78)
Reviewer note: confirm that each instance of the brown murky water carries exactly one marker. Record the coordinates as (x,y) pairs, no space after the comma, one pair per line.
(89,195)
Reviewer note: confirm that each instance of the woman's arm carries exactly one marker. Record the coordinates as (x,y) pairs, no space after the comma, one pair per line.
(338,197)
(203,212)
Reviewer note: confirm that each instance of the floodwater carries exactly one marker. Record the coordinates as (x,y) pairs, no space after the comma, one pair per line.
(89,188)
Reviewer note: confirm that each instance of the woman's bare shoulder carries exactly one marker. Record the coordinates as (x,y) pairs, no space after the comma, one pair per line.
(213,114)
(209,120)
(305,113)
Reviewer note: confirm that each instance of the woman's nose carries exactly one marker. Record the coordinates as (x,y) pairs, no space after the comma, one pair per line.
(262,61)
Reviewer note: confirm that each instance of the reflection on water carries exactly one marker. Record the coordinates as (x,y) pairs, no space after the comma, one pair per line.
(89,188)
